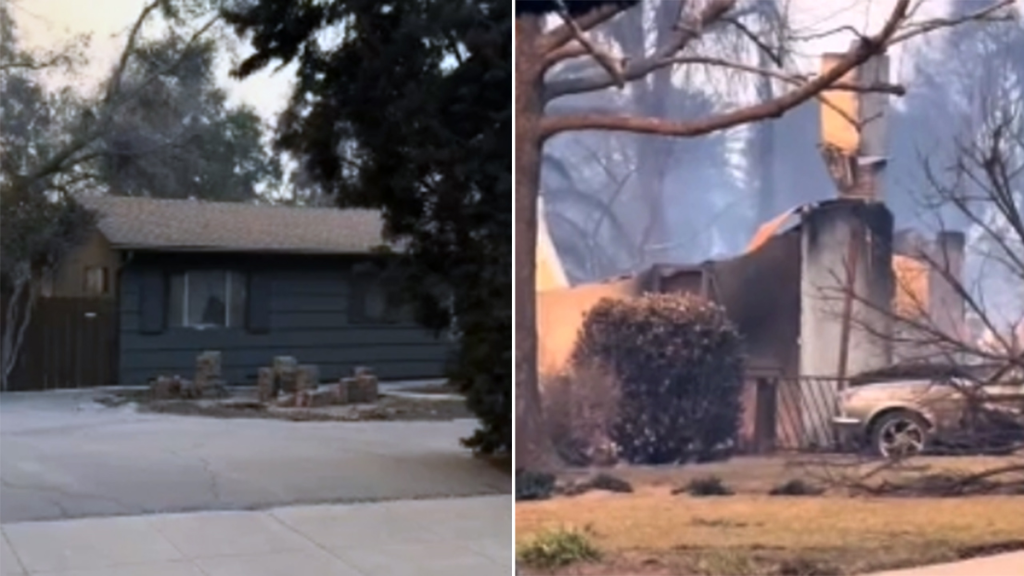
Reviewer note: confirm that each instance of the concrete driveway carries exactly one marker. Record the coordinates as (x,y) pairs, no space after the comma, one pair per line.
(1011,564)
(62,456)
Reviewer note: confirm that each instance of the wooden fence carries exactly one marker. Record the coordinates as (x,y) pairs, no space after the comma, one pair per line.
(69,343)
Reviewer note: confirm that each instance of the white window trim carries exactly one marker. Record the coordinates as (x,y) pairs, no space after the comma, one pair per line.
(227,303)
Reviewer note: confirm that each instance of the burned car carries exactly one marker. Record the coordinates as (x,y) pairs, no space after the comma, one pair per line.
(907,410)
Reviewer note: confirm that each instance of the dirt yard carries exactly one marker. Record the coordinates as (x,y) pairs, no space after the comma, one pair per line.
(655,532)
(242,404)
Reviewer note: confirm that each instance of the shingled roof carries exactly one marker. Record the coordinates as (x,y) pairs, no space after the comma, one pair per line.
(194,225)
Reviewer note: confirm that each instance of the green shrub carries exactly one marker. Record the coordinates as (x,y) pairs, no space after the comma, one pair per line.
(705,486)
(559,548)
(534,485)
(580,407)
(679,367)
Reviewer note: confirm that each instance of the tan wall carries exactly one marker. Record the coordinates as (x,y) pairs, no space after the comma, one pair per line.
(69,278)
(560,313)
(550,275)
(912,292)
(838,106)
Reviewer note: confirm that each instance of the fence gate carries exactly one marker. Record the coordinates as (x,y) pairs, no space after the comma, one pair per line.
(69,343)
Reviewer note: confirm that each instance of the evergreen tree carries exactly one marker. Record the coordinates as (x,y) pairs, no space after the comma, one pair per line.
(405,106)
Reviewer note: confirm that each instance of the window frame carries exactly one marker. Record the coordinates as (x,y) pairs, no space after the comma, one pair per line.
(181,321)
(370,279)
(105,281)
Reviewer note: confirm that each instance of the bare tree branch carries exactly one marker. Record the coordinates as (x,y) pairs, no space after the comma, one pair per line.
(753,37)
(685,32)
(563,34)
(989,13)
(64,159)
(858,54)
(611,65)
(114,85)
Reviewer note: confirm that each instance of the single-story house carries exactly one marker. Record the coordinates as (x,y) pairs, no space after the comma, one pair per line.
(178,277)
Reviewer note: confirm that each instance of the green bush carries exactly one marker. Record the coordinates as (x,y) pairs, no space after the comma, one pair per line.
(580,407)
(679,367)
(559,548)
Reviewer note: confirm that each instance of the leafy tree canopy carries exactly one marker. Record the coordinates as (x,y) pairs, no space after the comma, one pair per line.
(178,137)
(405,106)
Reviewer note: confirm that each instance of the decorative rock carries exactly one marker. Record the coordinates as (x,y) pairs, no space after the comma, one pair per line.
(362,371)
(361,389)
(161,388)
(167,387)
(285,373)
(341,393)
(320,398)
(207,371)
(188,389)
(307,377)
(242,404)
(265,384)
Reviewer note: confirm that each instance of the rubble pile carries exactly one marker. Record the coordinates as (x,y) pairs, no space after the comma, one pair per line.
(207,383)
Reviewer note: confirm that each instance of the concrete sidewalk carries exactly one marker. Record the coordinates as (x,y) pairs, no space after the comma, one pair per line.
(452,537)
(1011,564)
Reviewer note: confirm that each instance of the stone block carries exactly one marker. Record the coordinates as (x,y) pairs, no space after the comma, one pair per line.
(208,371)
(307,377)
(285,373)
(265,384)
(341,392)
(190,390)
(302,398)
(321,398)
(168,387)
(361,389)
(160,389)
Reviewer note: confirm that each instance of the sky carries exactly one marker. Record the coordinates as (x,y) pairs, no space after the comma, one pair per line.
(49,23)
(46,24)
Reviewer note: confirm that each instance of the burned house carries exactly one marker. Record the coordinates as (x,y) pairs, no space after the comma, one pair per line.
(785,294)
(813,294)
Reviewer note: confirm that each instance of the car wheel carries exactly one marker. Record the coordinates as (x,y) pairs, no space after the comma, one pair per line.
(900,434)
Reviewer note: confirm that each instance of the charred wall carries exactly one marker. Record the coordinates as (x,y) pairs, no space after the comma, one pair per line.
(843,238)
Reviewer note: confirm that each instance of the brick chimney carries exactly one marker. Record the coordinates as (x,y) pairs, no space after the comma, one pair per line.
(853,129)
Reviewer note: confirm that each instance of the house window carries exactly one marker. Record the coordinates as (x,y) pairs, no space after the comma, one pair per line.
(96,281)
(206,299)
(378,301)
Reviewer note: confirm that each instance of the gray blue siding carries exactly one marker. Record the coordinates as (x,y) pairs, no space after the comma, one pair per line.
(309,318)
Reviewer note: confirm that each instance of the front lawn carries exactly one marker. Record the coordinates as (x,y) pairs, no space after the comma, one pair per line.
(653,531)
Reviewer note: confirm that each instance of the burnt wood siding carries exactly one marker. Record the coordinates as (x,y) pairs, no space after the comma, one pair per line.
(296,307)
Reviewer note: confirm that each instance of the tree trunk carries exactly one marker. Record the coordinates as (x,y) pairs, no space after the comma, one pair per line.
(15,326)
(532,445)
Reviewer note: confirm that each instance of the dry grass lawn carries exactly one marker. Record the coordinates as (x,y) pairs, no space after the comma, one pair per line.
(654,532)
